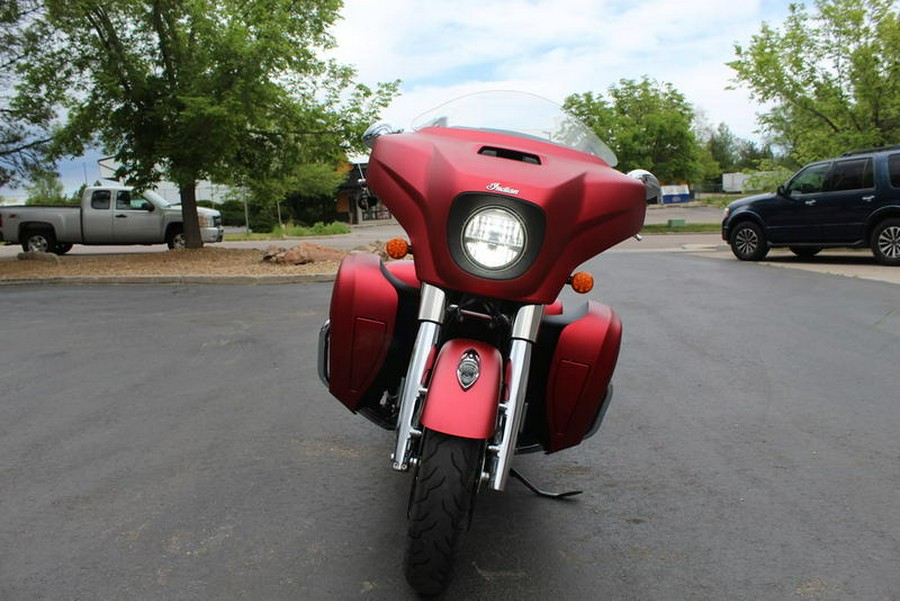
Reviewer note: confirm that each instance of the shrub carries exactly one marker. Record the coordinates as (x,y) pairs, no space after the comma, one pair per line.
(319,229)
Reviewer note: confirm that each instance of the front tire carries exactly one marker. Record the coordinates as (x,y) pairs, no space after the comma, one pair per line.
(886,242)
(175,238)
(748,242)
(39,241)
(440,508)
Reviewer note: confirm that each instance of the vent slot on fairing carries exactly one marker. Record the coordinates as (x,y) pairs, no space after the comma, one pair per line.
(512,155)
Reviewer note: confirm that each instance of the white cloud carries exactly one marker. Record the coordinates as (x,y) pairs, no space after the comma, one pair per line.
(549,47)
(554,48)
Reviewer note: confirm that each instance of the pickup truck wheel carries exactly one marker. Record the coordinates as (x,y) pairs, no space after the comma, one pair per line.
(748,242)
(175,238)
(886,242)
(39,241)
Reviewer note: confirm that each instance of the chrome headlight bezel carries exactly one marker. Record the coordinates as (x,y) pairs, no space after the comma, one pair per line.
(494,238)
(519,216)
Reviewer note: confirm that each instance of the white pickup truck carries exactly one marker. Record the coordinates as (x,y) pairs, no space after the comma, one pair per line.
(107,215)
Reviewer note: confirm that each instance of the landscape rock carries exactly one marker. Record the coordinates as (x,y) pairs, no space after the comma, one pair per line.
(305,252)
(34,255)
(376,247)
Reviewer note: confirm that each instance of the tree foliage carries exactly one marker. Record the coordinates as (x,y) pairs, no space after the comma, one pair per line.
(649,126)
(230,90)
(732,153)
(46,189)
(23,144)
(833,76)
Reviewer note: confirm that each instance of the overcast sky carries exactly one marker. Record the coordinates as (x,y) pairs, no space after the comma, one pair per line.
(554,48)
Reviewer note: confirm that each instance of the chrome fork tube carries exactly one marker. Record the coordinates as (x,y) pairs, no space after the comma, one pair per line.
(431,316)
(524,333)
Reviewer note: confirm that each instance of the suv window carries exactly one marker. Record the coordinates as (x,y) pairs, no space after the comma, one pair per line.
(855,174)
(810,180)
(894,169)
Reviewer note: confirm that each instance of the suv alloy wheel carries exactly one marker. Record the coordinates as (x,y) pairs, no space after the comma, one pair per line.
(748,242)
(886,242)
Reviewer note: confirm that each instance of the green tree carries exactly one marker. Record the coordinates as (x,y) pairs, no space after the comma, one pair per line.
(724,147)
(45,189)
(649,126)
(230,90)
(732,153)
(752,155)
(75,199)
(833,76)
(23,144)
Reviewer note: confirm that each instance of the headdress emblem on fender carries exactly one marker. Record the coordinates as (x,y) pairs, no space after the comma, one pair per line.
(469,369)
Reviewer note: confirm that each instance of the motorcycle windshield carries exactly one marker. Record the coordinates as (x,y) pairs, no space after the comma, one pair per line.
(519,114)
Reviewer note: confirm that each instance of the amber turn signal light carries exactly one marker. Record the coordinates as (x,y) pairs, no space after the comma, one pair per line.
(582,282)
(397,248)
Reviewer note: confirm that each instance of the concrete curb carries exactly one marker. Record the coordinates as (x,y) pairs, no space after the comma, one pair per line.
(214,280)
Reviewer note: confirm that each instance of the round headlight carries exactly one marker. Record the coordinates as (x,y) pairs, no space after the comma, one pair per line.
(494,238)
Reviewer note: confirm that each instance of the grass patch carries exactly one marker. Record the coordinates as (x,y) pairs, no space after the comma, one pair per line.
(319,229)
(687,228)
(294,231)
(719,201)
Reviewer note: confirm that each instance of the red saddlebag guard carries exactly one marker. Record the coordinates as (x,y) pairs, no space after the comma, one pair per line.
(573,362)
(372,321)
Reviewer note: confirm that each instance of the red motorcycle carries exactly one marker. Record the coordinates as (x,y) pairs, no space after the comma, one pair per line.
(465,351)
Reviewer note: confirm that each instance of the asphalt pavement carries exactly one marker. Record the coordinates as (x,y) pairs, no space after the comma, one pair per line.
(162,442)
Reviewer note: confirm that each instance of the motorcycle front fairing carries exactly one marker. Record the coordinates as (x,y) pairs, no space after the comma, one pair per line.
(573,204)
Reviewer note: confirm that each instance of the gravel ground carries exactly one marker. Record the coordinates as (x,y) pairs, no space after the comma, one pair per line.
(205,262)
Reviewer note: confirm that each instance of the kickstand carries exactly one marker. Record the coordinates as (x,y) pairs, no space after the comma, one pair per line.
(542,493)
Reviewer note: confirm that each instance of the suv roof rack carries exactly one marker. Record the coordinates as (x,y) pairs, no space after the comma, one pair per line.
(871,150)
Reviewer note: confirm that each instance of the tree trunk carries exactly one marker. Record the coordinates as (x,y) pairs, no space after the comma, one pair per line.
(188,193)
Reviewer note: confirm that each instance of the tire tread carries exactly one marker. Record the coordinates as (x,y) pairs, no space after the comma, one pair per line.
(440,509)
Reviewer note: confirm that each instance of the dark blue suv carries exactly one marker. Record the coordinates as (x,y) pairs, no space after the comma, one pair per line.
(852,201)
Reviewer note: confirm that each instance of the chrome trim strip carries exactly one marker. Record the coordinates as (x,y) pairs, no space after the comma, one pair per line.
(324,340)
(528,323)
(431,316)
(525,328)
(432,304)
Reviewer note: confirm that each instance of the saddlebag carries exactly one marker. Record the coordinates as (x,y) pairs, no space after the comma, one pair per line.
(365,345)
(569,383)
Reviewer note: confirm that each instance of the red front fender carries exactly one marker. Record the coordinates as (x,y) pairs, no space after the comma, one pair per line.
(453,410)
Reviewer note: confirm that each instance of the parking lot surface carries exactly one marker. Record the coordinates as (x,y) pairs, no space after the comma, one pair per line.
(174,442)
